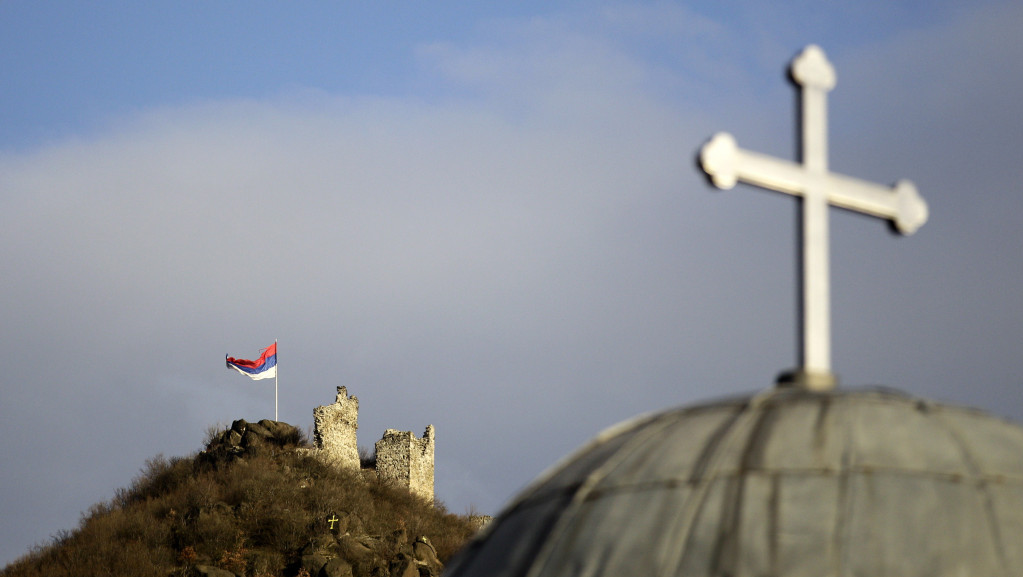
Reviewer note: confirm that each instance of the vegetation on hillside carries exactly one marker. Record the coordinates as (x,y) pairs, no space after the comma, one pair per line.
(252,505)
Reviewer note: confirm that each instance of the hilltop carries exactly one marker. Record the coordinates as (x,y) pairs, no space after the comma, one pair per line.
(254,502)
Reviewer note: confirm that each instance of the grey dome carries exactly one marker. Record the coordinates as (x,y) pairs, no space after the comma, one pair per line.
(786,483)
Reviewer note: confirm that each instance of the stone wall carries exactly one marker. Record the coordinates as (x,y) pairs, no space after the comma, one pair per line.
(400,456)
(478,522)
(409,461)
(421,465)
(335,431)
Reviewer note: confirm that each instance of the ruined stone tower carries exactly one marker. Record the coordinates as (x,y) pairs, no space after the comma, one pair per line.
(407,460)
(334,436)
(400,456)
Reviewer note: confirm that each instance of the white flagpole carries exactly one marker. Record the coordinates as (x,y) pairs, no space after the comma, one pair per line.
(277,370)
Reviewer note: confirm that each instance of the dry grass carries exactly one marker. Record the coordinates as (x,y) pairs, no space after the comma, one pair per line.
(251,514)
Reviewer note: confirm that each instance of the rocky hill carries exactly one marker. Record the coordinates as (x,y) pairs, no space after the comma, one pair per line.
(254,502)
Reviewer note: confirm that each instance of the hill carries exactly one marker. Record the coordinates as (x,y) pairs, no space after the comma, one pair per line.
(255,503)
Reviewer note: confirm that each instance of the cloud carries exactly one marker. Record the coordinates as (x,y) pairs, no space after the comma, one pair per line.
(522,254)
(440,258)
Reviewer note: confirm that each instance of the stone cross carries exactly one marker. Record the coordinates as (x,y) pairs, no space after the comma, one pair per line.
(726,164)
(333,519)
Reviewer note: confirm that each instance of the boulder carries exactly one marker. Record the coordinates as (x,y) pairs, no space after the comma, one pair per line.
(397,542)
(403,566)
(208,571)
(351,549)
(344,523)
(426,555)
(258,430)
(337,567)
(313,563)
(274,427)
(244,437)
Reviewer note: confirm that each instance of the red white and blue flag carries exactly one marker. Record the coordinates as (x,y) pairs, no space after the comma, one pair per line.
(265,367)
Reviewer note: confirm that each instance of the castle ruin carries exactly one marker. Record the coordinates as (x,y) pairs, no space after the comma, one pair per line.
(408,460)
(400,456)
(334,434)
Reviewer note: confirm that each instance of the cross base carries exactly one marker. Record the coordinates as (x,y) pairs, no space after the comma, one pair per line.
(808,380)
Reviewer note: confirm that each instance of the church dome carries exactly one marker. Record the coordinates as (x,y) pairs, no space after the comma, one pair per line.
(785,483)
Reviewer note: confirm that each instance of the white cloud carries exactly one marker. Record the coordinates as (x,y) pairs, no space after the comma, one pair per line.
(521,259)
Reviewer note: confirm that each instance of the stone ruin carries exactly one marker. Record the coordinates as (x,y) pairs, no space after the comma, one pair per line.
(408,460)
(334,433)
(400,456)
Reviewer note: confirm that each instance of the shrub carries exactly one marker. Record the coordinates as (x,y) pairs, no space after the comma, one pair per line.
(252,510)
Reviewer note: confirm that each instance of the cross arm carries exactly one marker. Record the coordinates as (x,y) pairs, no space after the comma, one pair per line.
(726,164)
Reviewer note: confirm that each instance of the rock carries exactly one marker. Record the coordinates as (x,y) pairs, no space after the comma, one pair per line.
(353,550)
(207,571)
(258,429)
(244,437)
(310,548)
(251,440)
(325,544)
(313,563)
(403,566)
(337,567)
(274,427)
(354,524)
(372,567)
(397,541)
(424,553)
(345,523)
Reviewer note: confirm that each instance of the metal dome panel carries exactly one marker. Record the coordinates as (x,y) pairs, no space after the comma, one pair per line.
(785,483)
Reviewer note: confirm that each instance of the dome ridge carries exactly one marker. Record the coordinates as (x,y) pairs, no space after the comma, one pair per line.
(851,481)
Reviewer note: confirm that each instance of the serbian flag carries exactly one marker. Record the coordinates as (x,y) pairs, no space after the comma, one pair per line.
(265,367)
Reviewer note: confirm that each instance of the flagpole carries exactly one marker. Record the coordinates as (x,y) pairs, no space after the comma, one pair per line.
(278,369)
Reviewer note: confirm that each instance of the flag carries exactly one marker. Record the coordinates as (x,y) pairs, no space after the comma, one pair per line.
(265,367)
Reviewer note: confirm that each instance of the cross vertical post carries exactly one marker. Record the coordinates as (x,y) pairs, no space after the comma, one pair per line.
(817,77)
(726,164)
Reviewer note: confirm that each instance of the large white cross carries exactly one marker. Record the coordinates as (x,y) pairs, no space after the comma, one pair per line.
(726,164)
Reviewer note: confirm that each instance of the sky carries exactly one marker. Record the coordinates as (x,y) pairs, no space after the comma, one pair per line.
(487,217)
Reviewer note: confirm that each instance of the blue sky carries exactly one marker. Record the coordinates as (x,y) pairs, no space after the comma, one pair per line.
(483,217)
